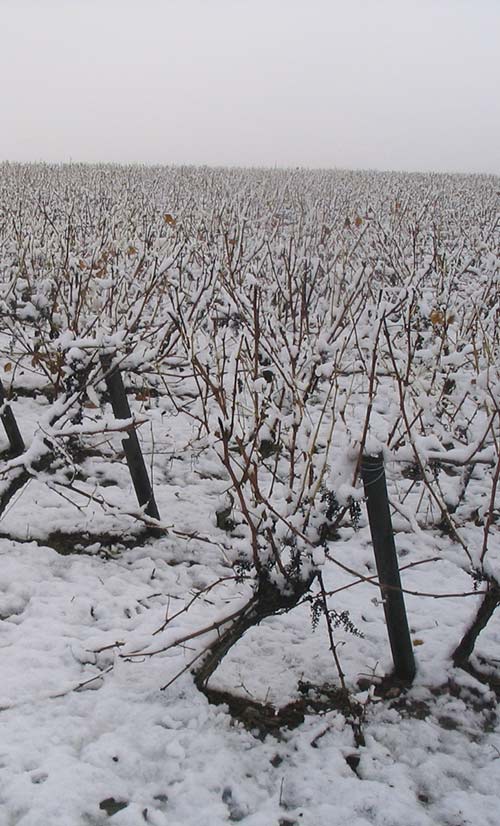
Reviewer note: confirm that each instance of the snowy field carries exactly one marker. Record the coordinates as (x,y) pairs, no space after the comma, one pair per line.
(271,327)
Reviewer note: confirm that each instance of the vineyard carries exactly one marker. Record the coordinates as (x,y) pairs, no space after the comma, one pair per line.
(195,364)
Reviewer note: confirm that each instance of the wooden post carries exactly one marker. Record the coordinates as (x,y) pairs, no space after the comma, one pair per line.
(373,475)
(131,446)
(16,441)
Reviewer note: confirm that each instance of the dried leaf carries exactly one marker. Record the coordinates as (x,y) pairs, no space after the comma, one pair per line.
(437,318)
(7,367)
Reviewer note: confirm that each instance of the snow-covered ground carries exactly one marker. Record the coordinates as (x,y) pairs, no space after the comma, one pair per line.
(169,757)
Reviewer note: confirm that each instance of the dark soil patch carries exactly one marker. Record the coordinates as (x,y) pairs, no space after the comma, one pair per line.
(267,719)
(79,543)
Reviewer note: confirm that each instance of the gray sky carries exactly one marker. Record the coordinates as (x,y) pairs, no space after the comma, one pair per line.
(386,84)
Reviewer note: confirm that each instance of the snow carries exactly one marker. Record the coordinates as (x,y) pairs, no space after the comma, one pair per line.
(64,751)
(102,623)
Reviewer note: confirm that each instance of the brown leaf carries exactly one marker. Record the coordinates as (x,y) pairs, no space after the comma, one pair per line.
(437,317)
(7,367)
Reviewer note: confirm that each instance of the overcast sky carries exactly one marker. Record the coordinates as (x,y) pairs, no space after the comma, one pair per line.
(385,84)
